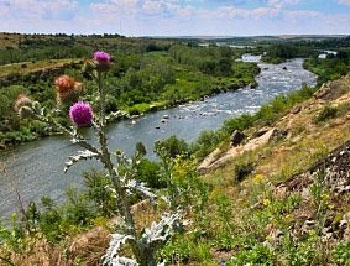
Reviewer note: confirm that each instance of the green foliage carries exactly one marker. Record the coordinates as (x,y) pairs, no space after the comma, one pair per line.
(79,210)
(241,123)
(341,253)
(182,250)
(305,253)
(8,97)
(51,221)
(100,193)
(278,53)
(256,255)
(242,171)
(329,68)
(172,147)
(12,238)
(206,143)
(39,127)
(328,112)
(149,172)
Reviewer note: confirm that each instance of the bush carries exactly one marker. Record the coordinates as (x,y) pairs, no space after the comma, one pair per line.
(39,127)
(241,123)
(79,210)
(172,147)
(51,221)
(257,255)
(206,143)
(326,113)
(242,171)
(341,253)
(99,193)
(149,172)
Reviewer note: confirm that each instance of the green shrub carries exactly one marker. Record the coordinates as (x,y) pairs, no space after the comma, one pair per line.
(51,221)
(172,147)
(341,253)
(206,143)
(99,193)
(327,113)
(242,171)
(79,209)
(256,255)
(241,123)
(149,172)
(39,127)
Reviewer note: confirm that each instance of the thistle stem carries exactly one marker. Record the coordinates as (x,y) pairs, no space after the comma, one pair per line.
(123,203)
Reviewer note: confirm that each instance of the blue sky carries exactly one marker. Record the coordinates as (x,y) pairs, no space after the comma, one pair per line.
(177,17)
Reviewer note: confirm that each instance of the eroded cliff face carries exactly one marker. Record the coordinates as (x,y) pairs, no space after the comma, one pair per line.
(291,127)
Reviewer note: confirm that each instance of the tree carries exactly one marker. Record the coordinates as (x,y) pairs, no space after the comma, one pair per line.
(140,149)
(172,147)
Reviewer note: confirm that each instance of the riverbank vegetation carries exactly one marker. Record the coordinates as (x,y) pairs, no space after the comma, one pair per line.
(250,210)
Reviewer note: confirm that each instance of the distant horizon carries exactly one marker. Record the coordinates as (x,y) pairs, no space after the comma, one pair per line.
(137,18)
(176,36)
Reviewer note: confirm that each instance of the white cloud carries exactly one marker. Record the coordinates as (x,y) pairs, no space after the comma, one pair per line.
(124,7)
(151,6)
(231,12)
(168,17)
(36,9)
(281,3)
(301,13)
(344,2)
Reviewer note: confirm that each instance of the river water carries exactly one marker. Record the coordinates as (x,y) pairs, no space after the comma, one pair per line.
(35,169)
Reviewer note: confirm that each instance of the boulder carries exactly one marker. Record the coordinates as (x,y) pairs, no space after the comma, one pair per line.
(236,138)
(261,132)
(322,93)
(278,134)
(296,109)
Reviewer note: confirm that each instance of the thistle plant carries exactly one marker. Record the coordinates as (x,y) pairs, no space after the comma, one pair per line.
(119,168)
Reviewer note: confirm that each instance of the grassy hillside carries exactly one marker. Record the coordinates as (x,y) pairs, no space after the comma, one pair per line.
(290,206)
(279,197)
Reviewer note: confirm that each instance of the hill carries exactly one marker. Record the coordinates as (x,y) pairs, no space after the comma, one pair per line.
(292,203)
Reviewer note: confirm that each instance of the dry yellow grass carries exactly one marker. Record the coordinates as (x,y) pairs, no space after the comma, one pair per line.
(28,67)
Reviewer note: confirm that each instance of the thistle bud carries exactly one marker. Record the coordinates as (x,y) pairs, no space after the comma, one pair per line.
(102,60)
(67,89)
(81,114)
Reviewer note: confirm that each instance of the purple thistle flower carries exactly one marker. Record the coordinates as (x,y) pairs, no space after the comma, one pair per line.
(102,57)
(81,114)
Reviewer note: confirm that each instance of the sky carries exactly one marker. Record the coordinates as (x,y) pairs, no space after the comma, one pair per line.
(177,17)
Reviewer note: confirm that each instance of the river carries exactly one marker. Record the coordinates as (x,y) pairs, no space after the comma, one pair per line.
(35,169)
